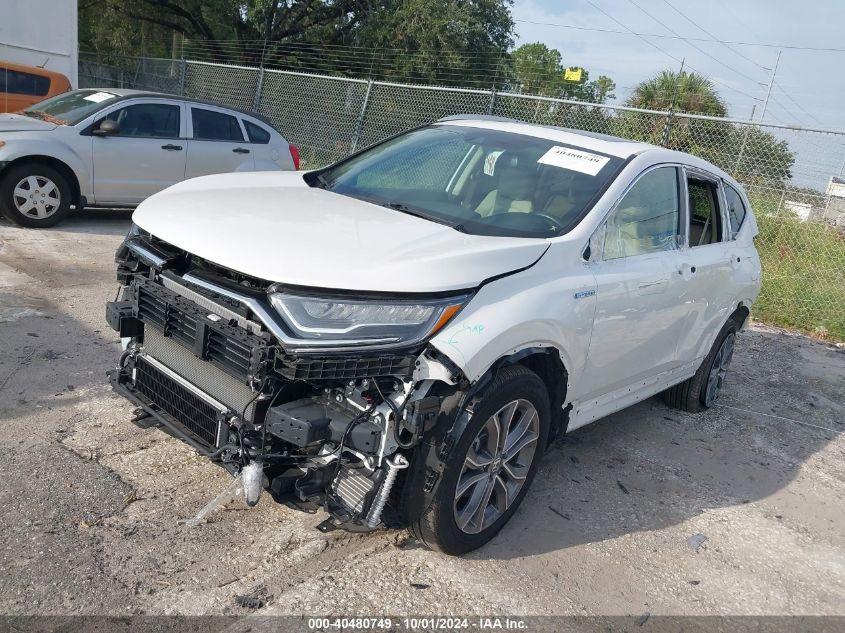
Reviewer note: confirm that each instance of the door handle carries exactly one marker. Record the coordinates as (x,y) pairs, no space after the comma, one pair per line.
(170,147)
(241,150)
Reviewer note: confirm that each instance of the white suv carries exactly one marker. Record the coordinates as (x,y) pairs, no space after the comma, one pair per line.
(110,147)
(397,337)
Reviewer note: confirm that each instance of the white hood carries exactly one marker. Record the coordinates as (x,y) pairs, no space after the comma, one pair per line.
(274,226)
(21,123)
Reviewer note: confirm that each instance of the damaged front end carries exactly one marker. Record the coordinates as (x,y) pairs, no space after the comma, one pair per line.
(323,401)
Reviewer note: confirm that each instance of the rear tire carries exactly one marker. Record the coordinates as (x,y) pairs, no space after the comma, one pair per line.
(493,482)
(34,195)
(702,390)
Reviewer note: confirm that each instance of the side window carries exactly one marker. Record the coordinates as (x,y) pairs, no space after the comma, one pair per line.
(26,83)
(147,120)
(215,126)
(736,209)
(647,218)
(256,133)
(705,222)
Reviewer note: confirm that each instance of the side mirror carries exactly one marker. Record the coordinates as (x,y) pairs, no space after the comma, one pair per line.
(107,128)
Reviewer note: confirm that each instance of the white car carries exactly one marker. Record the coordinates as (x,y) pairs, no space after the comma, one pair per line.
(398,337)
(110,147)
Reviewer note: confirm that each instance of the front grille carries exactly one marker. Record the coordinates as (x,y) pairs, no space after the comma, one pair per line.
(196,415)
(231,348)
(208,378)
(343,367)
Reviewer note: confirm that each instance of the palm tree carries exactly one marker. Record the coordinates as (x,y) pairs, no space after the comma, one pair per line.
(681,92)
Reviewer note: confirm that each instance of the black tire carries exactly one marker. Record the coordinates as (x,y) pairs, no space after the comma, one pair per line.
(43,174)
(690,395)
(437,525)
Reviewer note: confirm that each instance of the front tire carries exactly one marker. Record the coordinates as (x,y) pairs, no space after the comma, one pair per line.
(34,195)
(491,466)
(703,389)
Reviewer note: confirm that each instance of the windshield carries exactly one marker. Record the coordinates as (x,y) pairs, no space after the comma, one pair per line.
(479,181)
(71,107)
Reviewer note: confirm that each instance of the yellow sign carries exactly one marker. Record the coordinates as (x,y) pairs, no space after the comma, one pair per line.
(573,74)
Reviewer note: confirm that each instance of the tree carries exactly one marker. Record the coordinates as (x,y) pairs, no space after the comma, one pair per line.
(538,69)
(451,41)
(458,42)
(681,92)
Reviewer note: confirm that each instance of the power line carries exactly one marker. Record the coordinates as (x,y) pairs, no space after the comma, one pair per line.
(798,105)
(702,29)
(695,46)
(675,37)
(643,38)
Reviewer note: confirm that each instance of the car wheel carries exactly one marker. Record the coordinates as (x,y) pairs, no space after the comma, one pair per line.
(703,389)
(34,195)
(491,466)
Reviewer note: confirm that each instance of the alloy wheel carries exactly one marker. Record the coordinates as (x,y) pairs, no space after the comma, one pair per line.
(37,197)
(496,466)
(718,369)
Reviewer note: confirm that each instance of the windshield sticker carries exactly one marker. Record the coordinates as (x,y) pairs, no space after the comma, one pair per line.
(574,160)
(97,97)
(490,162)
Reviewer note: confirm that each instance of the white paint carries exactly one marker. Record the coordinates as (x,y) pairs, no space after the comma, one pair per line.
(40,33)
(574,160)
(274,226)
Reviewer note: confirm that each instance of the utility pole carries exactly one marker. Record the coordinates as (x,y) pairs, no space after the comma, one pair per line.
(668,127)
(744,139)
(771,83)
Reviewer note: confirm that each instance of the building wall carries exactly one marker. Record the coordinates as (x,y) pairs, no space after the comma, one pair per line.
(37,31)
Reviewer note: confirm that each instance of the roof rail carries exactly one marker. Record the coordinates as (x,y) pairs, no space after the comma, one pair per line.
(482,117)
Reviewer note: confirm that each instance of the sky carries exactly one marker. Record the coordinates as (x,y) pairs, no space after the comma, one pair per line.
(809,87)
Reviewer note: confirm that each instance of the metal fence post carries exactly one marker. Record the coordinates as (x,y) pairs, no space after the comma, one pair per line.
(491,107)
(667,129)
(259,83)
(359,126)
(183,73)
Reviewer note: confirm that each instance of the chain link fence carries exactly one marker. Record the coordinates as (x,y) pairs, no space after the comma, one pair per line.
(793,175)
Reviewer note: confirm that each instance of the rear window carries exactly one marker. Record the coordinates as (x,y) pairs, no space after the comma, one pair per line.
(256,133)
(20,83)
(736,209)
(215,126)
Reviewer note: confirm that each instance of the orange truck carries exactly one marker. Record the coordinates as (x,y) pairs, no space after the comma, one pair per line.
(21,86)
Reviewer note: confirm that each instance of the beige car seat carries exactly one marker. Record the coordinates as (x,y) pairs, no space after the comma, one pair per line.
(514,193)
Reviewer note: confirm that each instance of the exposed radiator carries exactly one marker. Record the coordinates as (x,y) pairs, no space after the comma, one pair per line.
(213,381)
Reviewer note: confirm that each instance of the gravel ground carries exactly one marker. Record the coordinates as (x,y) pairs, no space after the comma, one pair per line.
(738,510)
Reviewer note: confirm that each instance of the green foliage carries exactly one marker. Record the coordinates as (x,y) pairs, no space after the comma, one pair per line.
(442,41)
(537,69)
(681,92)
(803,272)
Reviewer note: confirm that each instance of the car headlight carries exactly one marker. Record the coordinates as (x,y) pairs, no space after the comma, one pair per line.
(364,321)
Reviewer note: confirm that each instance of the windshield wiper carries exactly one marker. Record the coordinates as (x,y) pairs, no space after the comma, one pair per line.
(404,208)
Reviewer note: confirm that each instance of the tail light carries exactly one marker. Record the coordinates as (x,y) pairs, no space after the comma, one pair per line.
(294,154)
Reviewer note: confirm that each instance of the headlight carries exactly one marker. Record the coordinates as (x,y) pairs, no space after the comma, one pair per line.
(365,322)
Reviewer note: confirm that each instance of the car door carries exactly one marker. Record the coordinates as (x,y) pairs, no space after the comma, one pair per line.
(146,155)
(638,317)
(217,144)
(705,266)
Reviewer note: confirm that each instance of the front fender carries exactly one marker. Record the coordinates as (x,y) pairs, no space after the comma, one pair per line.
(529,309)
(19,148)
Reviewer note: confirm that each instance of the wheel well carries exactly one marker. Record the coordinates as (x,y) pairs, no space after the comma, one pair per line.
(740,315)
(56,164)
(547,364)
